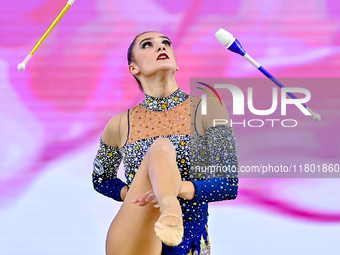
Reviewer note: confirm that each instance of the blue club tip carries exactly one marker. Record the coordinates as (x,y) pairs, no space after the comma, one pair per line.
(236,47)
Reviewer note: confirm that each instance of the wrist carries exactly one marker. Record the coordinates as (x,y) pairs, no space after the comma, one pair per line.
(187,190)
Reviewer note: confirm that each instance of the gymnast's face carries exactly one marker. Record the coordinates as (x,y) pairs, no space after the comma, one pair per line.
(153,53)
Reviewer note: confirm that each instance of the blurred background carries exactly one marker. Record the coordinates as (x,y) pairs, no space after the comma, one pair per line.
(52,115)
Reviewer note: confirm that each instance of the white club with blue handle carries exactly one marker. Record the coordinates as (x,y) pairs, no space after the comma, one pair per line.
(232,44)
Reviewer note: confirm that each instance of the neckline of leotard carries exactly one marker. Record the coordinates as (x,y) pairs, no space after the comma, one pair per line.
(165,103)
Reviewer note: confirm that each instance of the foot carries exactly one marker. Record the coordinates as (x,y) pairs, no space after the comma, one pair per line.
(169,226)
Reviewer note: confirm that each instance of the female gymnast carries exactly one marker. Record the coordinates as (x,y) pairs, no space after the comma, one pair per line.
(165,199)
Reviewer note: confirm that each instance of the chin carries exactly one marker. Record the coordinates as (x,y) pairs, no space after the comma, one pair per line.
(166,67)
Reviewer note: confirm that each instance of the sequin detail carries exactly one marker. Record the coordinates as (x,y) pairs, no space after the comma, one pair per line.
(107,160)
(165,103)
(105,167)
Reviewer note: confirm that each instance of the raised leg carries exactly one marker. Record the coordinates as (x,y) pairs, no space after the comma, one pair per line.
(132,230)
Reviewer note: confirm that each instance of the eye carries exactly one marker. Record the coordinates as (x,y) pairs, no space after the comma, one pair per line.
(167,42)
(146,45)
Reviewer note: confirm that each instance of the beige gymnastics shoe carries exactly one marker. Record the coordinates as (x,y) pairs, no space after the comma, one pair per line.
(169,235)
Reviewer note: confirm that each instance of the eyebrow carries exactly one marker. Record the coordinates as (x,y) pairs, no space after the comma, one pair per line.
(149,38)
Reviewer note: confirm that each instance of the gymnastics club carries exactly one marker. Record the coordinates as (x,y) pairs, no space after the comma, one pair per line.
(22,65)
(232,44)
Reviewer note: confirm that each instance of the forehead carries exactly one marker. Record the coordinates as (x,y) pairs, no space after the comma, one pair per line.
(148,35)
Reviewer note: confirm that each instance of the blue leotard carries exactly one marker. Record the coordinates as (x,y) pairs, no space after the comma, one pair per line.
(170,117)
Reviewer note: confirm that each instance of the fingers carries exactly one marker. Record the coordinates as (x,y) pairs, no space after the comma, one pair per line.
(141,201)
(148,197)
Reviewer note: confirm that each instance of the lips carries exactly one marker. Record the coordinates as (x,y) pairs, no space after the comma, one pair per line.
(162,56)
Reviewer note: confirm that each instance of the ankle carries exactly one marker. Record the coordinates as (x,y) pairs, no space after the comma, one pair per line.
(168,201)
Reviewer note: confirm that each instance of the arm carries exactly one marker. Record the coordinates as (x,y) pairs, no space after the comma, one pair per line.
(217,185)
(187,190)
(107,161)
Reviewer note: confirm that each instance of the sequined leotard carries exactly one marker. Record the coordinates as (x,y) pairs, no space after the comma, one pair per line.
(170,117)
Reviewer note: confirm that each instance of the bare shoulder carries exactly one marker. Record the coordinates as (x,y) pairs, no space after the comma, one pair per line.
(216,110)
(113,129)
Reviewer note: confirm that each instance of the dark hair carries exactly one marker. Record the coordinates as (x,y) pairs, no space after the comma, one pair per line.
(130,57)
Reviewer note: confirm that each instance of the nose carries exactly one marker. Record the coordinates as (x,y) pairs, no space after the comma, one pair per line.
(161,47)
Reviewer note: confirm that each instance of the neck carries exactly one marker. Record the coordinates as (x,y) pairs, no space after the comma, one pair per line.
(164,103)
(159,85)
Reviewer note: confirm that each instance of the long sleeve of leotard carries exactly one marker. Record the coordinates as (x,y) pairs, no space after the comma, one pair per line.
(221,174)
(104,175)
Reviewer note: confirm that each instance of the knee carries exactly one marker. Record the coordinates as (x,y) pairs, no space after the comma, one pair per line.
(163,144)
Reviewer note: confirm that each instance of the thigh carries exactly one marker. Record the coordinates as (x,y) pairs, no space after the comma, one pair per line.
(132,230)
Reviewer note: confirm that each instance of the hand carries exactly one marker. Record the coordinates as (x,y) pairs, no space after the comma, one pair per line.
(148,197)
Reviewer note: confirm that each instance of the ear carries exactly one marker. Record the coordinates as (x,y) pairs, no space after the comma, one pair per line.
(133,68)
